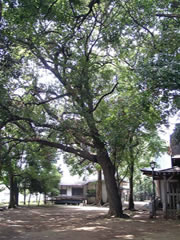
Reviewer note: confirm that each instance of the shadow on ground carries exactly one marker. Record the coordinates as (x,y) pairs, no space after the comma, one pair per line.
(76,223)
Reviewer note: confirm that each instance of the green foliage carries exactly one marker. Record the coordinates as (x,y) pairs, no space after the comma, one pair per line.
(46,181)
(158,69)
(143,188)
(31,166)
(77,166)
(92,78)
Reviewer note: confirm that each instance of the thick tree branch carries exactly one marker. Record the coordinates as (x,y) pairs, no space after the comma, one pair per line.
(50,8)
(102,97)
(48,100)
(36,52)
(137,22)
(90,6)
(168,15)
(83,154)
(82,140)
(14,119)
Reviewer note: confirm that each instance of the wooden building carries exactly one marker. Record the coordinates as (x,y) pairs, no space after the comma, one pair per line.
(168,182)
(71,194)
(86,193)
(167,189)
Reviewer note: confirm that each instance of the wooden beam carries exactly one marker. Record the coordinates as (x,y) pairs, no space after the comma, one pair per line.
(165,197)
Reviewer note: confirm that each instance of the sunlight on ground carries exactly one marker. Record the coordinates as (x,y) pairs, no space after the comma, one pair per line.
(35,211)
(86,222)
(14,225)
(142,221)
(90,208)
(59,230)
(90,228)
(125,236)
(83,208)
(21,221)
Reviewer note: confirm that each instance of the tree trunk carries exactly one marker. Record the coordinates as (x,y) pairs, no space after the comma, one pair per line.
(115,205)
(24,195)
(99,189)
(16,192)
(12,201)
(131,186)
(39,199)
(45,198)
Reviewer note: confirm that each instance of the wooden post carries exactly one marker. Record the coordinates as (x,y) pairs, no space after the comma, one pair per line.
(165,197)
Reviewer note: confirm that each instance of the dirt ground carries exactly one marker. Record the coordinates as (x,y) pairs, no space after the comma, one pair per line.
(82,223)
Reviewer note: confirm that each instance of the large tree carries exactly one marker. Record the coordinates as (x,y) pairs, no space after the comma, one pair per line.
(73,55)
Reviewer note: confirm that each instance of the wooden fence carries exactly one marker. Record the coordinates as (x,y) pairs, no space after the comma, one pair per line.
(173,208)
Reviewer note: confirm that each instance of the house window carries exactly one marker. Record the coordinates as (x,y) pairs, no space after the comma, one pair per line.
(77,191)
(63,191)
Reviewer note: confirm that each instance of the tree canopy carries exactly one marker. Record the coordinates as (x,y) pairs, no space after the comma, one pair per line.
(89,71)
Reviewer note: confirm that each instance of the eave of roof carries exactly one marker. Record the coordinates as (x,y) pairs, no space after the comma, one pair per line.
(176,156)
(161,172)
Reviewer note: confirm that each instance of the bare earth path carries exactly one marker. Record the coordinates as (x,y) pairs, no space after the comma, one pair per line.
(82,223)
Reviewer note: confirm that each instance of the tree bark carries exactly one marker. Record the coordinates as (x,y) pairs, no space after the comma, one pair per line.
(24,195)
(131,185)
(16,192)
(45,198)
(115,205)
(12,201)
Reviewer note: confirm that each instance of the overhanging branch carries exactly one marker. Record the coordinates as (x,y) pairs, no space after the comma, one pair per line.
(102,97)
(81,153)
(78,152)
(168,15)
(48,100)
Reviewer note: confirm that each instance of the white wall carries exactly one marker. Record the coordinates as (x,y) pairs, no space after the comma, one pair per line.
(104,193)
